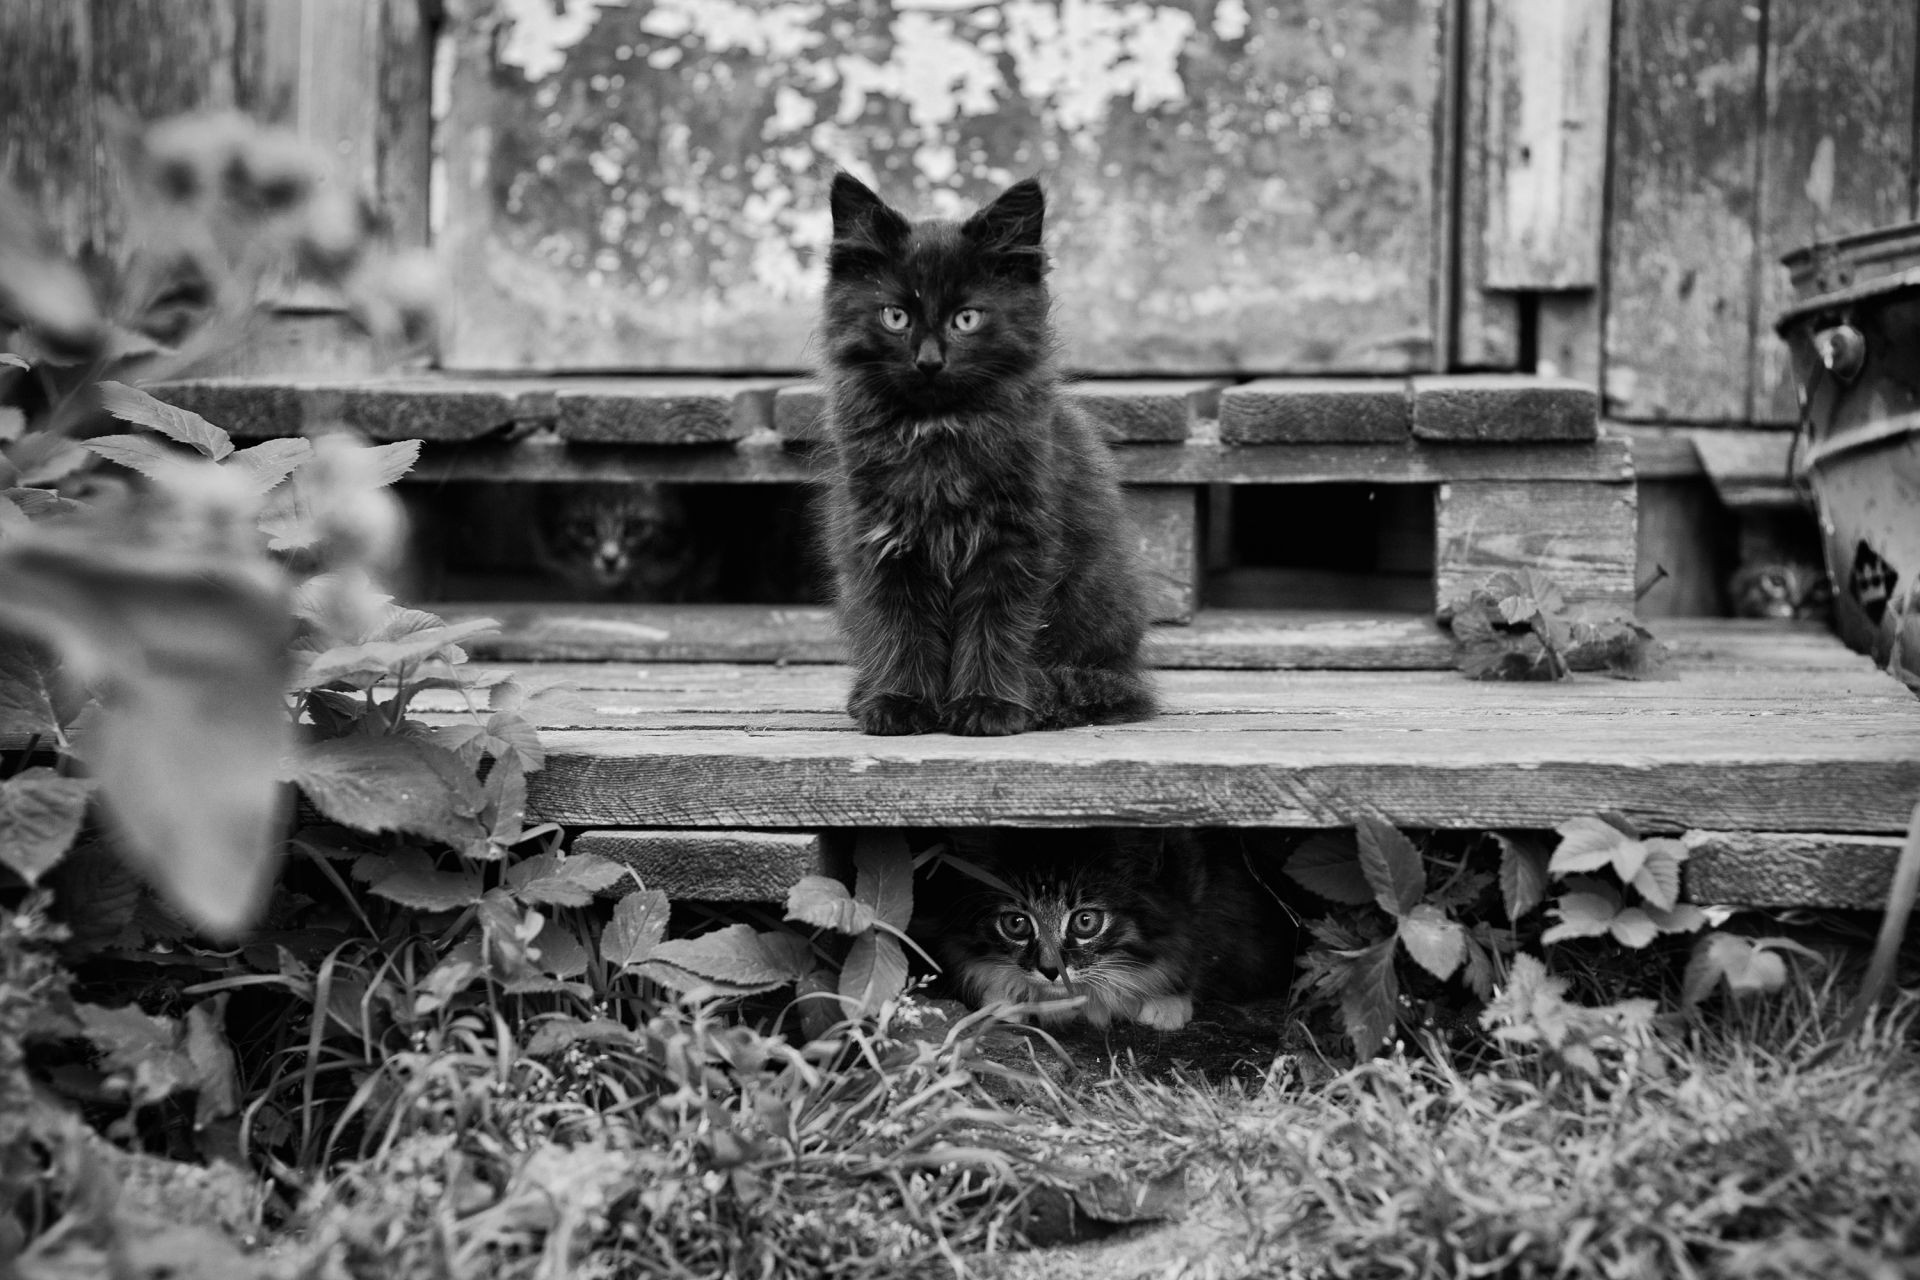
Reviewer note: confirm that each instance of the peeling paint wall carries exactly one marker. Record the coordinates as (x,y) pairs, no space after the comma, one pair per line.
(1235,185)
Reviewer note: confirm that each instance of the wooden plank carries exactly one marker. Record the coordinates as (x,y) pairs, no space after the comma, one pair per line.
(1493,408)
(663,410)
(713,866)
(1770,869)
(403,138)
(1839,150)
(1683,532)
(1681,214)
(1546,124)
(410,408)
(1316,411)
(1580,535)
(1166,526)
(1487,327)
(1569,337)
(1750,470)
(1265,639)
(48,125)
(1133,410)
(157,58)
(1659,453)
(1436,762)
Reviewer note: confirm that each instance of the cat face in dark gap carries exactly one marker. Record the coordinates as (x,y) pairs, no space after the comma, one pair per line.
(1084,919)
(936,313)
(604,533)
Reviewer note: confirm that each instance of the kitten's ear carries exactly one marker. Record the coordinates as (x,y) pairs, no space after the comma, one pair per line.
(861,216)
(1011,226)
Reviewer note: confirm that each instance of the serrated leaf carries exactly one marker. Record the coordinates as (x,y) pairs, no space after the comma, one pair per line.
(13,361)
(1707,965)
(268,463)
(380,784)
(730,961)
(130,404)
(825,903)
(510,737)
(363,665)
(144,454)
(44,457)
(1478,973)
(37,504)
(1370,997)
(506,813)
(1436,943)
(40,814)
(883,877)
(1587,844)
(26,689)
(1632,928)
(563,881)
(1523,876)
(1581,915)
(1658,880)
(1329,865)
(875,971)
(389,462)
(410,878)
(558,951)
(639,923)
(1682,918)
(1391,865)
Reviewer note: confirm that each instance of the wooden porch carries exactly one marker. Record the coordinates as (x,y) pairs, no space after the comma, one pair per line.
(1789,762)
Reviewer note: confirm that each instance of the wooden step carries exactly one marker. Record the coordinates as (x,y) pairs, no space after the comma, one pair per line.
(1763,729)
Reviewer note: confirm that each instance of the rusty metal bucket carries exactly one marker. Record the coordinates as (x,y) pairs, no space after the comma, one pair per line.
(1854,334)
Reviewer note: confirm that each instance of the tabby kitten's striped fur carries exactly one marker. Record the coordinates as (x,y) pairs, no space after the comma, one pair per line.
(1128,925)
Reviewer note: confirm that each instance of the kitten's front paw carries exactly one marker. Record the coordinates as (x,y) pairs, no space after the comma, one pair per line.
(981,716)
(1165,1013)
(892,714)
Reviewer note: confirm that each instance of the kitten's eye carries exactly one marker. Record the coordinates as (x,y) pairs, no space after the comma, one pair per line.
(1016,926)
(1087,923)
(966,320)
(895,318)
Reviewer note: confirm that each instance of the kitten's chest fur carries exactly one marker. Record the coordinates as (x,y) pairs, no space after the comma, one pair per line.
(934,491)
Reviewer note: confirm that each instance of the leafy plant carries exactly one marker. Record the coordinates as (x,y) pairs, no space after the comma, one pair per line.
(1456,929)
(1517,626)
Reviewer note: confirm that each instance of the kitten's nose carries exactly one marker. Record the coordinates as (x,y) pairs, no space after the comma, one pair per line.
(1048,970)
(929,359)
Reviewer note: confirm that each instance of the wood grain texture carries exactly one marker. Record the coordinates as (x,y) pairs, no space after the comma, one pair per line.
(48,125)
(1683,532)
(1839,150)
(663,410)
(1265,639)
(1580,535)
(1548,67)
(1770,869)
(1512,408)
(1681,213)
(713,866)
(1133,410)
(403,139)
(1487,322)
(1166,527)
(1316,411)
(386,408)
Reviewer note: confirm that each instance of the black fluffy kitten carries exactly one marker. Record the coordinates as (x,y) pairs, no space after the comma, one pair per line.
(1137,924)
(986,580)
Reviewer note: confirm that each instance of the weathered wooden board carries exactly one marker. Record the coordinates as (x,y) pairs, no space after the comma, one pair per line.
(1683,543)
(1263,639)
(1486,323)
(1735,750)
(1233,186)
(1681,214)
(1166,526)
(713,866)
(1580,535)
(48,127)
(1494,409)
(1130,409)
(1316,411)
(1839,150)
(1547,142)
(1768,869)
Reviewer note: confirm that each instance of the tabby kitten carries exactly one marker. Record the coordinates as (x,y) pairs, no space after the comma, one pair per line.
(986,580)
(616,540)
(1136,924)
